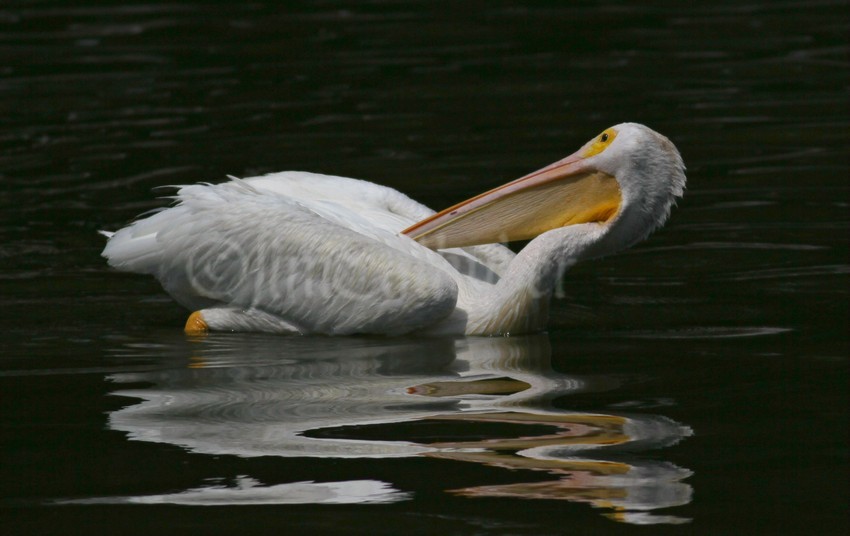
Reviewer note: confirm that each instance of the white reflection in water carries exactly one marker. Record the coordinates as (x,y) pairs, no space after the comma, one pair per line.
(248,491)
(312,397)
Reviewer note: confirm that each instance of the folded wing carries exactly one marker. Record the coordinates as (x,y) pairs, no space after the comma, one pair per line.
(318,264)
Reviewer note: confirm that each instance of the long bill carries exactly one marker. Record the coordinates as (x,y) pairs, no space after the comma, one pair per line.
(566,192)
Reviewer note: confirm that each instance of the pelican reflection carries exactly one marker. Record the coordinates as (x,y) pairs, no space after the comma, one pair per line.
(253,396)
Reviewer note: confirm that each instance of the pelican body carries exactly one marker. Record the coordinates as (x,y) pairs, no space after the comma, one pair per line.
(303,253)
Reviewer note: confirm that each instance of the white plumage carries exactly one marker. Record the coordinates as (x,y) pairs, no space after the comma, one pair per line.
(305,253)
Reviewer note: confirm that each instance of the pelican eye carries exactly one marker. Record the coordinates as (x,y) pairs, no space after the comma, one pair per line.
(601,143)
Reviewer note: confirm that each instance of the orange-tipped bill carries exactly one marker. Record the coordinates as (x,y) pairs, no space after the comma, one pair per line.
(567,192)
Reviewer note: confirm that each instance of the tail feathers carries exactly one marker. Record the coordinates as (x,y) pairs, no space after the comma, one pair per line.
(135,248)
(133,253)
(143,246)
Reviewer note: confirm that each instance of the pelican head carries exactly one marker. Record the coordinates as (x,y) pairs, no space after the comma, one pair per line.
(650,175)
(627,179)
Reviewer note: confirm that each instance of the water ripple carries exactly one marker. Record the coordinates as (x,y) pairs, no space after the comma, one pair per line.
(706,332)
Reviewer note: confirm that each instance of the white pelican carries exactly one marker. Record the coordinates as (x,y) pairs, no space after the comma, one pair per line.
(297,252)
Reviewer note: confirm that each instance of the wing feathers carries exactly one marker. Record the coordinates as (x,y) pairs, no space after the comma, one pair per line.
(240,244)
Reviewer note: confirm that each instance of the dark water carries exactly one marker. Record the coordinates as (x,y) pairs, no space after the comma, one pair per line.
(699,378)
